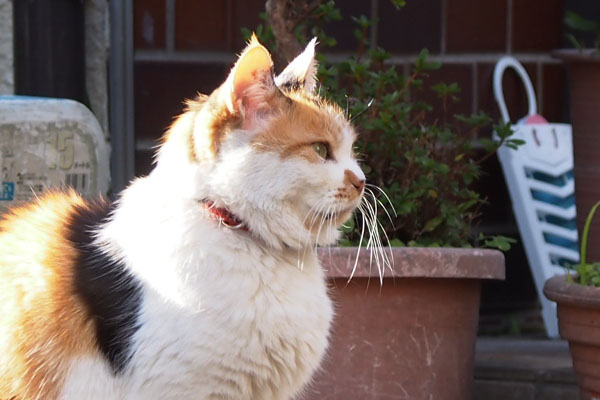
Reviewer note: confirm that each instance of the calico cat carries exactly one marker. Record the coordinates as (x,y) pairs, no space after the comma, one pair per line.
(202,280)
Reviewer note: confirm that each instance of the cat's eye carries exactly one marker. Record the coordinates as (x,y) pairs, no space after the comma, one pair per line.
(321,149)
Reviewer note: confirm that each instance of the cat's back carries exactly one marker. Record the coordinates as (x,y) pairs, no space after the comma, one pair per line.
(43,323)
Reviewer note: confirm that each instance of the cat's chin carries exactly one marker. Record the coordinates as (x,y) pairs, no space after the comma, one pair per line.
(331,219)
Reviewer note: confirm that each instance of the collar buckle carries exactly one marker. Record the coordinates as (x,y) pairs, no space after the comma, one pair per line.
(224,216)
(225,223)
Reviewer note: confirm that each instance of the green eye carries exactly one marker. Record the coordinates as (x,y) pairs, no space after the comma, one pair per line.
(321,149)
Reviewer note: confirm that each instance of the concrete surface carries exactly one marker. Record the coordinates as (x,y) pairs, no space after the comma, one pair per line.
(7,81)
(523,369)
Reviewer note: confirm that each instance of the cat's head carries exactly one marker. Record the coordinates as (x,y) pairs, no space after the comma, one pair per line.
(271,151)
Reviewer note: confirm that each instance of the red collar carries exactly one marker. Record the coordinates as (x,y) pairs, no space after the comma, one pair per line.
(224,216)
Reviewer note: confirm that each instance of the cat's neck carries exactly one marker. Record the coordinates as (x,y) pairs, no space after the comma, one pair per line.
(271,223)
(164,238)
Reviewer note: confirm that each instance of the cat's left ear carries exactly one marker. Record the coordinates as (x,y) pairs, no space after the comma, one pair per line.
(250,84)
(301,73)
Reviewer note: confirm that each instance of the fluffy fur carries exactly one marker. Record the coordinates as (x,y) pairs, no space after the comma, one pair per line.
(221,313)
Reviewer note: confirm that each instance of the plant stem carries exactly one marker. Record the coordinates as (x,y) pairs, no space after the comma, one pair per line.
(586,231)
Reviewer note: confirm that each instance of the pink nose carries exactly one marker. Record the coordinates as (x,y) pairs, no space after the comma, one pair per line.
(351,178)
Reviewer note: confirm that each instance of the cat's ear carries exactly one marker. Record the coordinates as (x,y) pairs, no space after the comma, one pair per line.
(301,73)
(250,83)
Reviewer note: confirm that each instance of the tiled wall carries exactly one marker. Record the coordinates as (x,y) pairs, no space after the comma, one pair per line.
(185,46)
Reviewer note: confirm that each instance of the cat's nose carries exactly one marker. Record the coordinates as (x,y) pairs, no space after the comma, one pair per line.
(359,184)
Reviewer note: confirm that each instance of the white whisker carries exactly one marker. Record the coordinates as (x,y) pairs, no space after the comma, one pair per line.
(362,235)
(322,222)
(375,244)
(370,185)
(369,191)
(315,210)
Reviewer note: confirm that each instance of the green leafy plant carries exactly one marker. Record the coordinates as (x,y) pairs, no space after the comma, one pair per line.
(587,273)
(422,168)
(582,26)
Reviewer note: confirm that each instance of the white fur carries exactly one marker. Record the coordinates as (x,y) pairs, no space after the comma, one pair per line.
(223,316)
(91,378)
(226,314)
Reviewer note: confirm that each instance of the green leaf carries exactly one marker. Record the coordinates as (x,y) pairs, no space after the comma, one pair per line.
(516,142)
(574,42)
(443,89)
(432,224)
(498,242)
(397,243)
(363,21)
(346,243)
(503,130)
(348,226)
(479,119)
(578,23)
(246,33)
(488,144)
(399,3)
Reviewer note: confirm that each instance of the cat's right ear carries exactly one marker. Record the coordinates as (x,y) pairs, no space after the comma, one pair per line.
(250,84)
(301,73)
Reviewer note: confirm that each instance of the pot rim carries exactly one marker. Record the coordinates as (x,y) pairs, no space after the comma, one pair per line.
(416,262)
(559,290)
(574,55)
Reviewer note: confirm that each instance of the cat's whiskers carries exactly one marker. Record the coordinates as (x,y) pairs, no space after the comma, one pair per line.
(386,212)
(321,211)
(370,223)
(321,223)
(368,188)
(376,245)
(387,239)
(318,211)
(373,234)
(315,210)
(370,185)
(360,240)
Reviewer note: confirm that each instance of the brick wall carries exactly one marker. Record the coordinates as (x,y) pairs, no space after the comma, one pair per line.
(185,46)
(181,48)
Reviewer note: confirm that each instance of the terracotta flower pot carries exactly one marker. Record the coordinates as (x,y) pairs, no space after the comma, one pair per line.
(412,338)
(584,97)
(579,323)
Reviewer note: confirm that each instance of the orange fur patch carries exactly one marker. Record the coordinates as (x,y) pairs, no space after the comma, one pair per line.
(221,124)
(296,119)
(209,119)
(43,324)
(303,122)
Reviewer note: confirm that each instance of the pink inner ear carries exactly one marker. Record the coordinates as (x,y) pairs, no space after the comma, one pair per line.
(251,76)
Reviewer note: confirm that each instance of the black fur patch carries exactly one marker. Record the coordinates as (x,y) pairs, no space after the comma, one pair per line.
(110,292)
(292,85)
